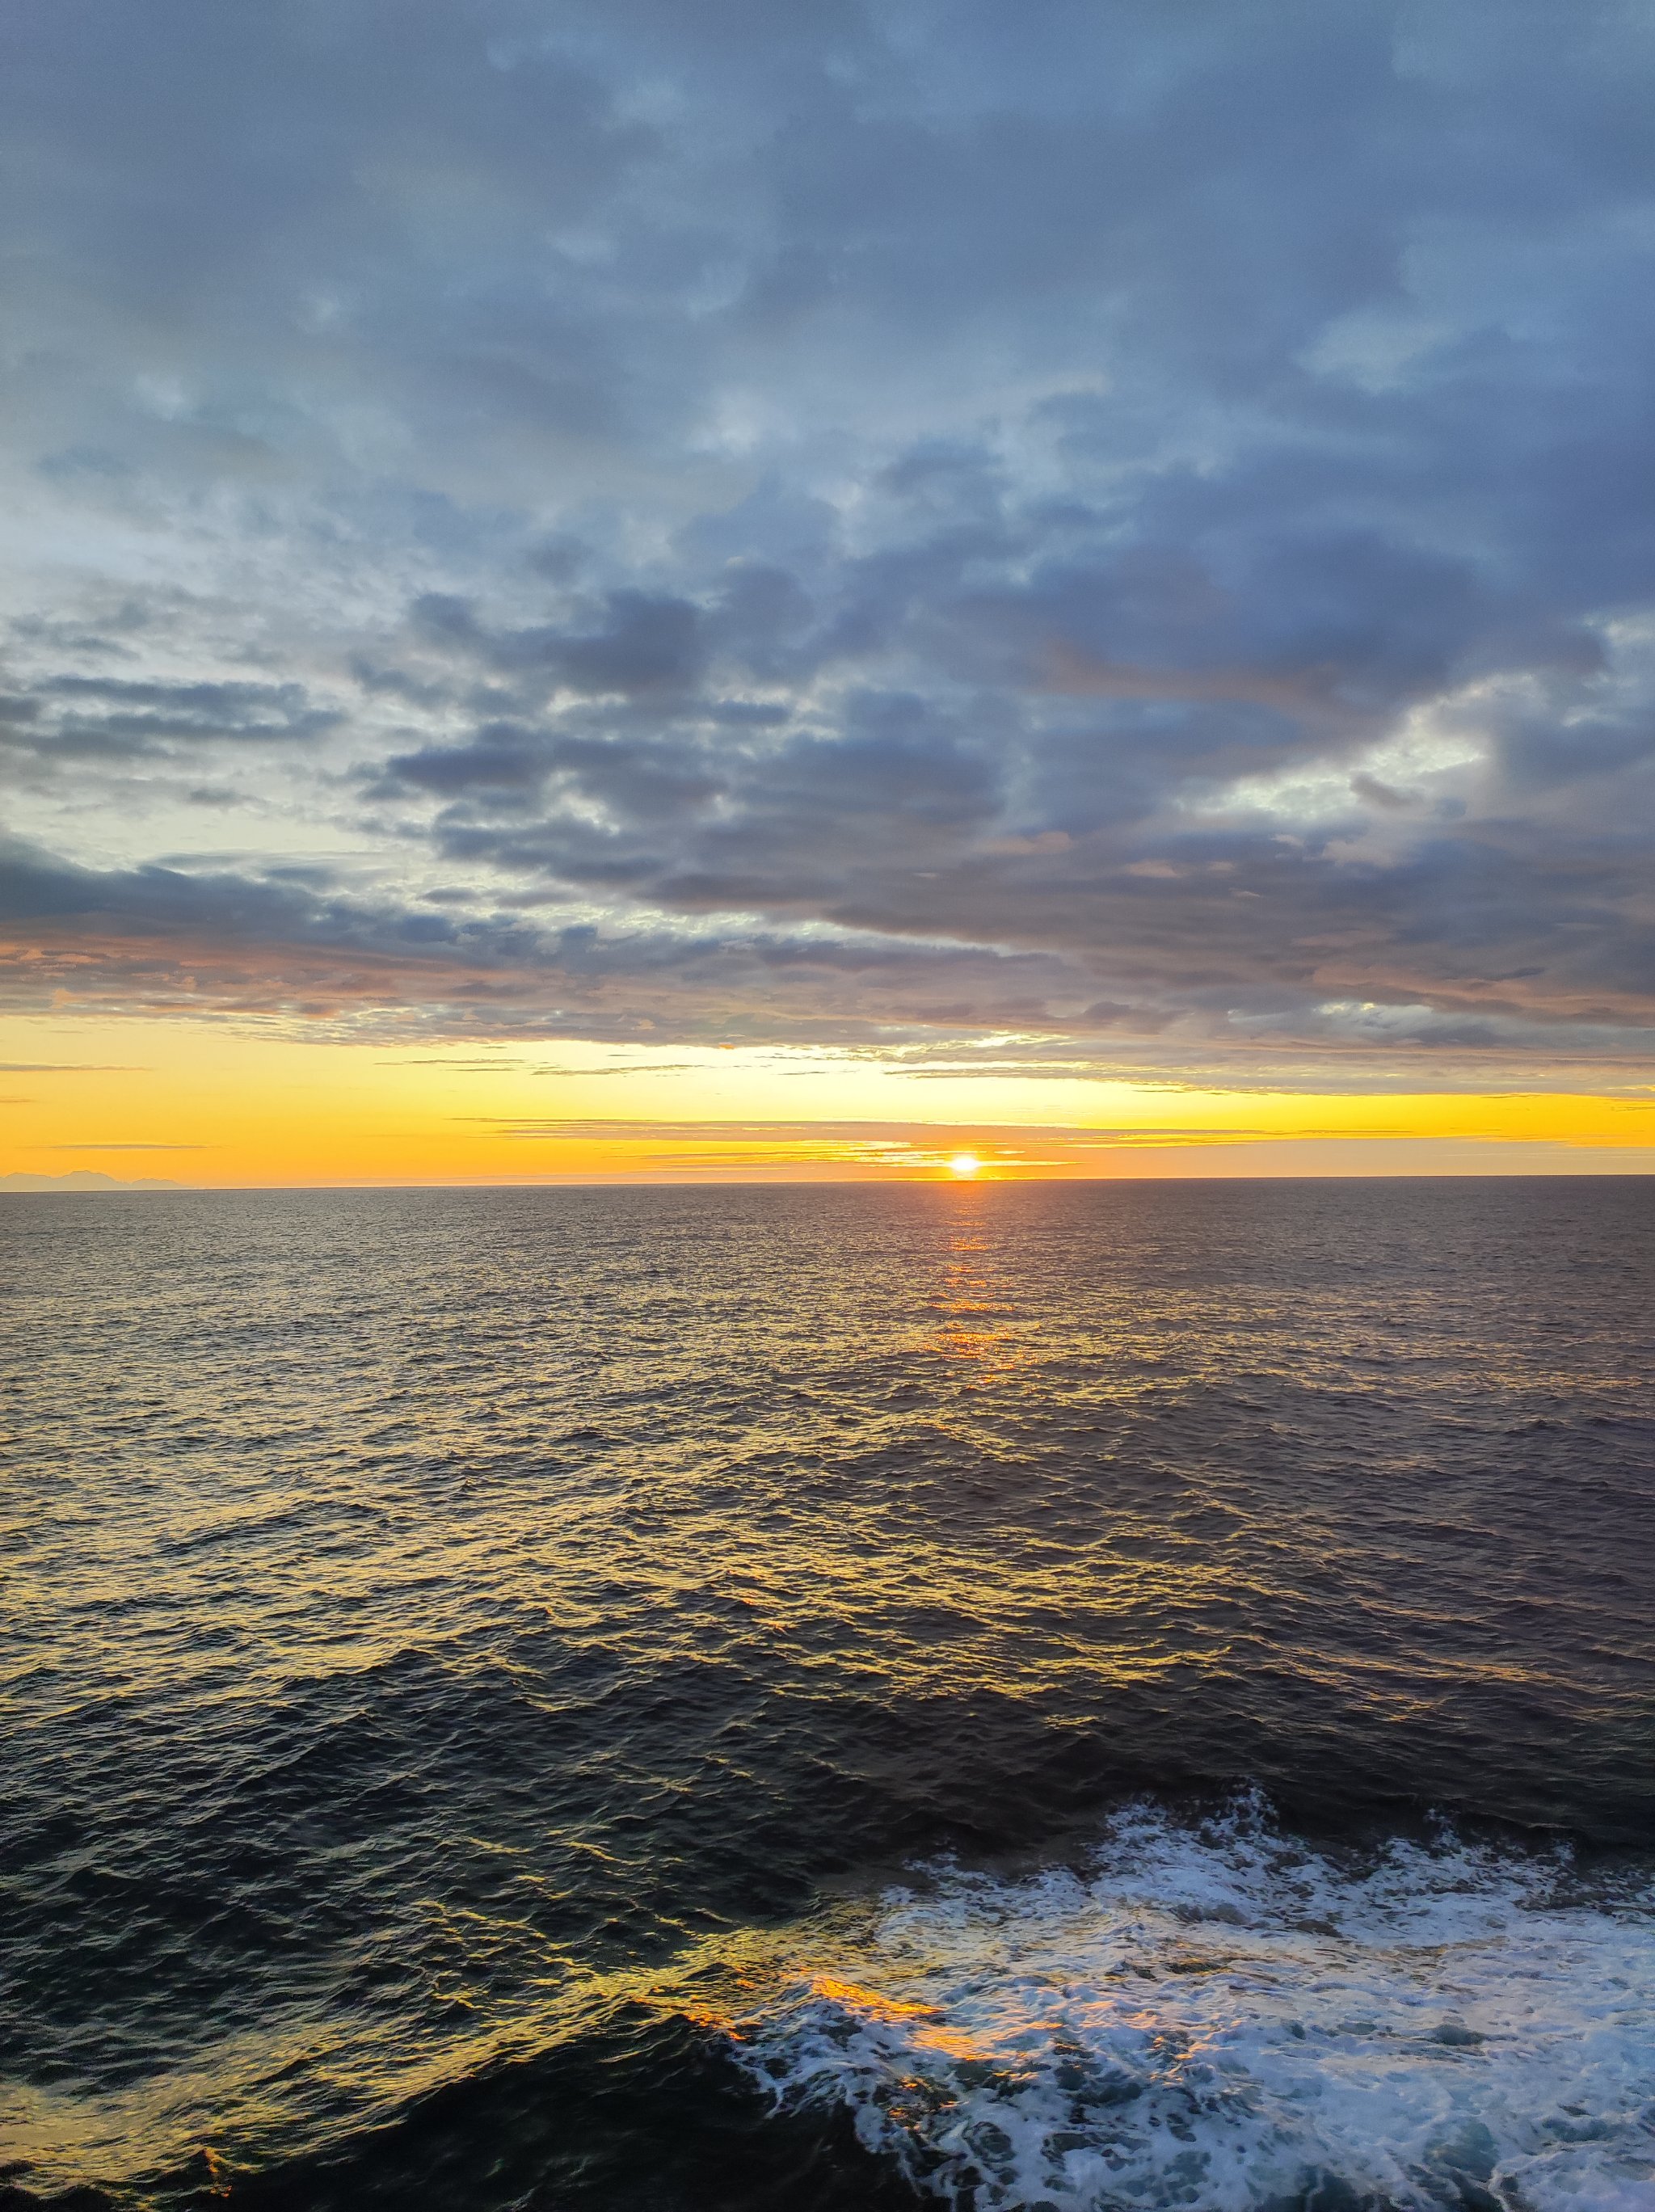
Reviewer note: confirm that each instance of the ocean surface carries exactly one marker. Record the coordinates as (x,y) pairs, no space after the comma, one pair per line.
(1113,1695)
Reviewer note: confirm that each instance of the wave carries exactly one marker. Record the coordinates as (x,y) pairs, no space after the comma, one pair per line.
(1208,2014)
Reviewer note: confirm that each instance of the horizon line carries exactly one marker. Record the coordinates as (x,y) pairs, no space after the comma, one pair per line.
(114,1187)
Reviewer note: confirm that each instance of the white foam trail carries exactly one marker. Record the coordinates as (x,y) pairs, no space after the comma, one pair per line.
(1209,2017)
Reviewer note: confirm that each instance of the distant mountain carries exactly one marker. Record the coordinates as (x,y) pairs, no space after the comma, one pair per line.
(85,1179)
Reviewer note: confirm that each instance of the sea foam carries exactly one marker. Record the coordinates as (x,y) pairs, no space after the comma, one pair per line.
(1210,2016)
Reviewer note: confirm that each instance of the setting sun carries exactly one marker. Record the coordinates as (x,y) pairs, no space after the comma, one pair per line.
(964,1163)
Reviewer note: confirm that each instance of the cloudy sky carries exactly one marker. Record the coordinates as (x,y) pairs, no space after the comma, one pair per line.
(801,580)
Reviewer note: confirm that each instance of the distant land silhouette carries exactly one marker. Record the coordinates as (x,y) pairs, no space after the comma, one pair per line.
(85,1179)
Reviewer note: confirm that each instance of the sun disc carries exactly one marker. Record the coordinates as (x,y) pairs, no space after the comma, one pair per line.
(964,1163)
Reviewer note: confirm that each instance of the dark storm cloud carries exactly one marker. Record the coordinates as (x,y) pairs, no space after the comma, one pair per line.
(1124,521)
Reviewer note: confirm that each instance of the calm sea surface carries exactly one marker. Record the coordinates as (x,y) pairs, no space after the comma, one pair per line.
(1072,1696)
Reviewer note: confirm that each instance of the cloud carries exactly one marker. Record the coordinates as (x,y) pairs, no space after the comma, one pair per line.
(782,1147)
(842,525)
(70,722)
(639,643)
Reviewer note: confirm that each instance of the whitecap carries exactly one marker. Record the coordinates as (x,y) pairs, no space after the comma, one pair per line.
(1207,2015)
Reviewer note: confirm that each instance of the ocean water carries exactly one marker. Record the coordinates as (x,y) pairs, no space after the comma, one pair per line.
(1113,1696)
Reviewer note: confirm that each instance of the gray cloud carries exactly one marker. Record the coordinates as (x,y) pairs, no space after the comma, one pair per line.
(852,524)
(70,720)
(639,643)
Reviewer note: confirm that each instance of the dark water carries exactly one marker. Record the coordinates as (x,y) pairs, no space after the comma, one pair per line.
(494,1682)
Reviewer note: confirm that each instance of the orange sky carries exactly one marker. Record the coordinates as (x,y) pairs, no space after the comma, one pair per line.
(208,1103)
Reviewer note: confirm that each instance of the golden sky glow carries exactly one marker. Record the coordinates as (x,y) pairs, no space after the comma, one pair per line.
(208,1103)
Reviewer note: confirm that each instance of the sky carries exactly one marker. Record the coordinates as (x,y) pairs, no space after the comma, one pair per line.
(691,588)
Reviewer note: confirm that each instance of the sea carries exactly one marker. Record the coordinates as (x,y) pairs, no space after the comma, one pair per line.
(1069,1697)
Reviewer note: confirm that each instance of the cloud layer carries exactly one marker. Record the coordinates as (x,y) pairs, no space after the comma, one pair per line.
(1126,531)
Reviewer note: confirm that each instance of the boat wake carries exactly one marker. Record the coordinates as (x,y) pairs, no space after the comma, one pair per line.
(1210,2015)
